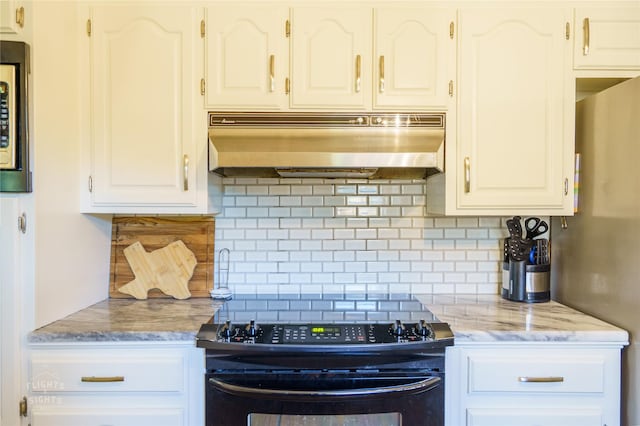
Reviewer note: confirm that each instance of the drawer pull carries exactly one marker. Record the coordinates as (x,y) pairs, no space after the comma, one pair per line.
(108,379)
(525,379)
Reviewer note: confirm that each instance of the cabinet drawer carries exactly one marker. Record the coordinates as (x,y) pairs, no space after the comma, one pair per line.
(93,372)
(543,373)
(547,416)
(111,416)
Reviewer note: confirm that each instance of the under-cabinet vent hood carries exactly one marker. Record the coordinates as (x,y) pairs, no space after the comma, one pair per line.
(380,145)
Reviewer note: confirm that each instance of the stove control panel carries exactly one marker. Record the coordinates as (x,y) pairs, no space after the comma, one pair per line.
(333,334)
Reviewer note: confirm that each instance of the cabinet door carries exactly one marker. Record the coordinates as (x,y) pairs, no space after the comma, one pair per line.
(414,57)
(11,330)
(247,57)
(607,38)
(11,17)
(514,144)
(112,416)
(143,60)
(539,416)
(331,57)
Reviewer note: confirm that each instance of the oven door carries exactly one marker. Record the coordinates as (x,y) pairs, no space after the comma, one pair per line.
(324,398)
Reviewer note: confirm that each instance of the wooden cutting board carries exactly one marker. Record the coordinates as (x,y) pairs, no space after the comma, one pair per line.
(153,243)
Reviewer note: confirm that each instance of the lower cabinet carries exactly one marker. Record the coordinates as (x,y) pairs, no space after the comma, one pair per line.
(533,384)
(116,384)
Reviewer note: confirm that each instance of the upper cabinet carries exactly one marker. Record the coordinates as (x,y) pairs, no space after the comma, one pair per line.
(414,57)
(247,57)
(513,152)
(12,16)
(349,57)
(148,136)
(607,38)
(331,57)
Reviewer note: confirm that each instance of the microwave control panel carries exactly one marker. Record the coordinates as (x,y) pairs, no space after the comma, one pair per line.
(8,143)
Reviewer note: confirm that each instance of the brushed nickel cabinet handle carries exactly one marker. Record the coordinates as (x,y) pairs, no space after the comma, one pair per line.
(358,73)
(185,162)
(586,36)
(104,379)
(467,175)
(22,223)
(566,186)
(272,77)
(381,72)
(552,379)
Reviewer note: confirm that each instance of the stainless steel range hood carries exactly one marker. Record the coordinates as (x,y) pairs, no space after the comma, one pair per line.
(377,145)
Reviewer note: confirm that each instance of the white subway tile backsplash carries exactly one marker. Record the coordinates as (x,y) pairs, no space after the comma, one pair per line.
(302,211)
(346,189)
(269,201)
(313,201)
(322,211)
(301,190)
(367,211)
(367,189)
(377,245)
(355,235)
(357,201)
(279,190)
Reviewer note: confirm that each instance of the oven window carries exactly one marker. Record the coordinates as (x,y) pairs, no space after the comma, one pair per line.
(383,419)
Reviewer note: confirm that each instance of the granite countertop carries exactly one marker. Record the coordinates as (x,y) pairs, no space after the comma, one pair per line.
(473,318)
(490,318)
(131,320)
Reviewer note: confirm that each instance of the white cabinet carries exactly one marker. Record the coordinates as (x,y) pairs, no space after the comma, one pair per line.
(533,384)
(350,57)
(607,38)
(513,149)
(12,267)
(414,57)
(148,130)
(122,384)
(247,57)
(331,57)
(12,17)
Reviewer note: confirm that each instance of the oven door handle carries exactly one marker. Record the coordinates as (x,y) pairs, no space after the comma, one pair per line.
(419,386)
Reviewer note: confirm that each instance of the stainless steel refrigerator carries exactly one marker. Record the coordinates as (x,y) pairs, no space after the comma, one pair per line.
(596,259)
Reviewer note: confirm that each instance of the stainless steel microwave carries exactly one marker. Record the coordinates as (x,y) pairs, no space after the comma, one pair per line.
(15,174)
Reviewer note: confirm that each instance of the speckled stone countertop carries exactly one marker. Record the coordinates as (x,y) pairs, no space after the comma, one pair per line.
(130,320)
(490,318)
(473,318)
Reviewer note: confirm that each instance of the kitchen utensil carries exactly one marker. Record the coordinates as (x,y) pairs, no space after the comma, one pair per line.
(542,248)
(168,269)
(535,227)
(519,248)
(515,227)
(155,232)
(518,279)
(222,292)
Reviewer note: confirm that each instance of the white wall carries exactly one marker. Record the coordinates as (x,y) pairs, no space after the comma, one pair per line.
(314,235)
(71,249)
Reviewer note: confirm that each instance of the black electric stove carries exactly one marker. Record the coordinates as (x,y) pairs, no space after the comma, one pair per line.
(327,323)
(311,360)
